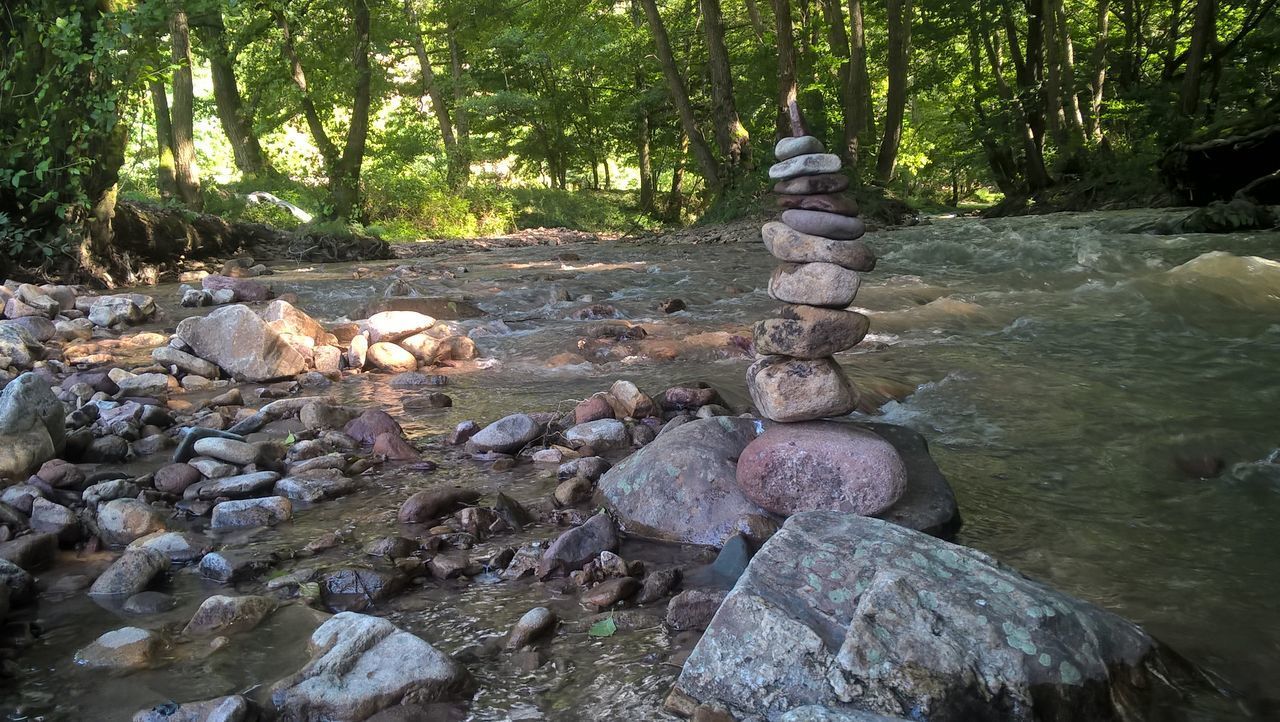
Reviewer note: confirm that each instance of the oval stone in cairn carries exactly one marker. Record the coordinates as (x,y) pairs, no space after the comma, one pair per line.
(788,148)
(792,246)
(812,184)
(827,225)
(841,203)
(809,164)
(810,332)
(814,284)
(791,389)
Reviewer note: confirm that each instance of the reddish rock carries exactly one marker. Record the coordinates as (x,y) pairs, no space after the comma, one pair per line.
(367,427)
(821,466)
(593,409)
(394,447)
(243,288)
(175,478)
(434,503)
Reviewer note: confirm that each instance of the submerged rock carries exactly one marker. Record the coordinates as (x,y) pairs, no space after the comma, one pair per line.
(124,649)
(579,545)
(233,708)
(857,614)
(361,665)
(508,434)
(683,486)
(130,574)
(227,615)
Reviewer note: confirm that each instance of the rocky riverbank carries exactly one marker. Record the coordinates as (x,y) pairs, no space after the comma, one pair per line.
(140,462)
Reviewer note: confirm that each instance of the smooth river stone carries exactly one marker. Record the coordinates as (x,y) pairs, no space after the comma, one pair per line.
(841,203)
(814,284)
(788,148)
(810,332)
(788,244)
(790,389)
(802,165)
(827,225)
(821,466)
(813,184)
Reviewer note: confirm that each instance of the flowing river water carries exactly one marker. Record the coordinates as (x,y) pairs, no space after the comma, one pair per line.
(1070,375)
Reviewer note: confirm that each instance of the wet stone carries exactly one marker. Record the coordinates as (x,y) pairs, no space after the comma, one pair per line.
(814,284)
(787,389)
(810,332)
(790,245)
(149,603)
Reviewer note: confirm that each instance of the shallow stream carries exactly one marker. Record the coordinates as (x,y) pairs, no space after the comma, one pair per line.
(1071,377)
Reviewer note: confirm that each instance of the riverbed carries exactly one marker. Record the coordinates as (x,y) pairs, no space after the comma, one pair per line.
(1074,380)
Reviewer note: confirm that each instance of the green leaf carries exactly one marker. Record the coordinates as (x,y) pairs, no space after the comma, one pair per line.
(603,628)
(290,440)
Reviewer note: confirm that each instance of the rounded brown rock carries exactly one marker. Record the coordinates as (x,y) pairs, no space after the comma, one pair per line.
(788,244)
(813,184)
(790,389)
(814,284)
(810,332)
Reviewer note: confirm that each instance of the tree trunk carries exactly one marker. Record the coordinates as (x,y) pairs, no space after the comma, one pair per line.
(1000,156)
(185,170)
(757,25)
(1100,71)
(1203,33)
(457,172)
(787,91)
(680,98)
(1037,176)
(730,135)
(328,151)
(675,199)
(344,186)
(461,121)
(166,182)
(237,126)
(859,83)
(838,38)
(643,153)
(899,20)
(1075,120)
(1052,88)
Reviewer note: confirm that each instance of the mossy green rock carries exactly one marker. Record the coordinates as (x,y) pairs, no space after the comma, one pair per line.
(853,613)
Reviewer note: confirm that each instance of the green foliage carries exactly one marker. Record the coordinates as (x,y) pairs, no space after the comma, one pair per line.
(606,627)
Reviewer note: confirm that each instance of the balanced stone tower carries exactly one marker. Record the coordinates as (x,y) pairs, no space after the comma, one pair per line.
(817,242)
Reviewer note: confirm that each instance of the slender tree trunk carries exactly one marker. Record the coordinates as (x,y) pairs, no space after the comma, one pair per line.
(1052,90)
(899,19)
(675,199)
(319,136)
(1203,33)
(1037,176)
(344,186)
(643,154)
(461,121)
(999,155)
(457,171)
(730,135)
(680,98)
(838,38)
(757,25)
(238,127)
(1075,119)
(185,170)
(787,90)
(1100,70)
(166,182)
(859,79)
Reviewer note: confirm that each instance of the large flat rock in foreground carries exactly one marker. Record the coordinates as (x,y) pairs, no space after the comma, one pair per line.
(857,614)
(683,486)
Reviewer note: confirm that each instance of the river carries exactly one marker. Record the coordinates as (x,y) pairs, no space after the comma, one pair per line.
(1070,376)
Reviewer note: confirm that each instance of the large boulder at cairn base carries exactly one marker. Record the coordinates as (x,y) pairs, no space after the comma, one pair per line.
(361,665)
(821,466)
(32,426)
(682,487)
(853,613)
(238,340)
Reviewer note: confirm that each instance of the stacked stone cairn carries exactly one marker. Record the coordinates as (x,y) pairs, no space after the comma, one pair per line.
(817,242)
(804,463)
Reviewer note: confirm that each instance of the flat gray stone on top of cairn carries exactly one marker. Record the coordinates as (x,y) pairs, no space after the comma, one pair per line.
(820,223)
(810,332)
(814,284)
(802,165)
(788,244)
(789,389)
(813,184)
(788,148)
